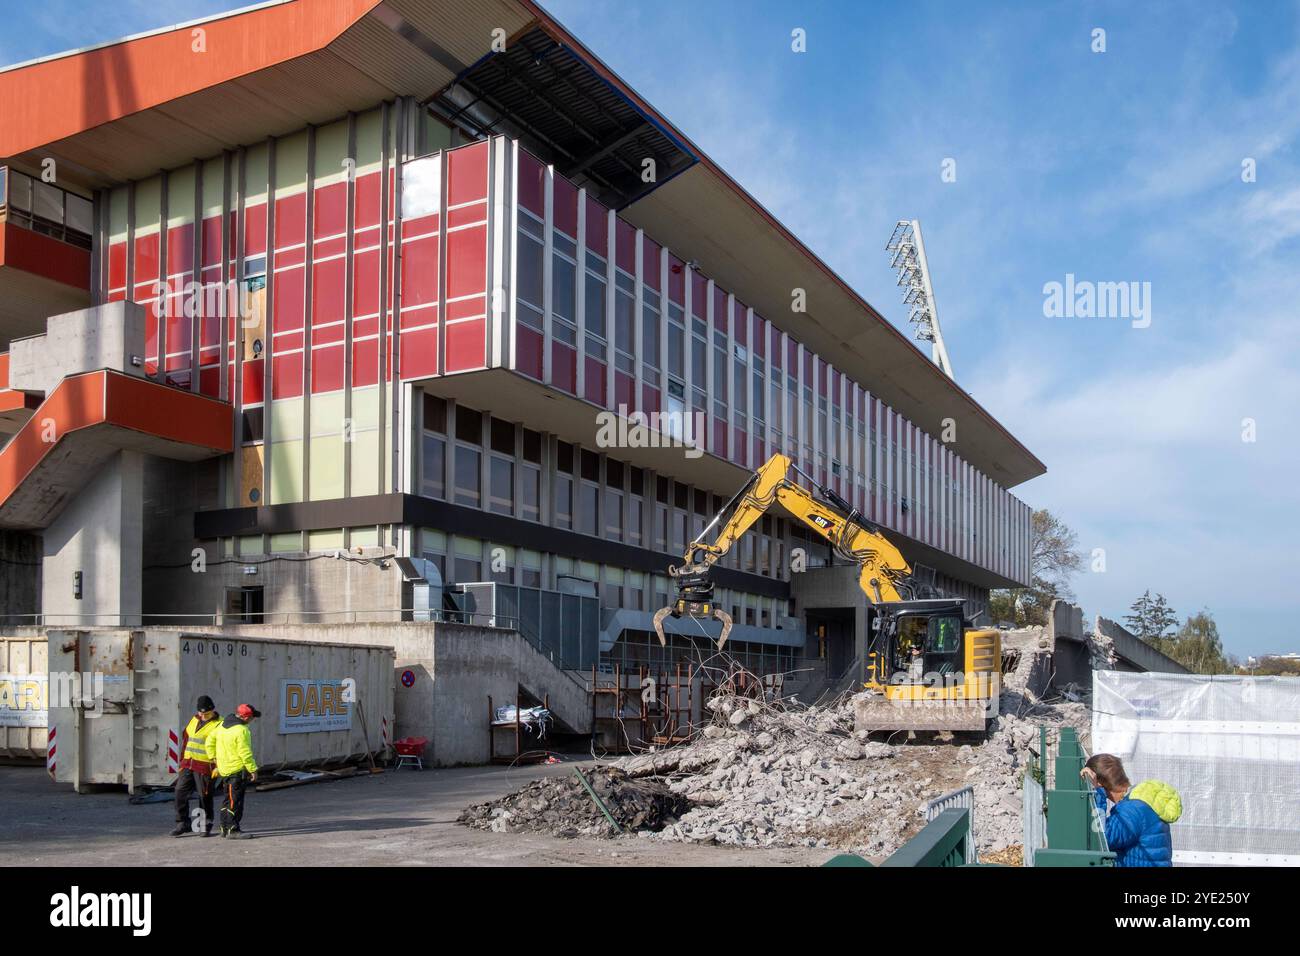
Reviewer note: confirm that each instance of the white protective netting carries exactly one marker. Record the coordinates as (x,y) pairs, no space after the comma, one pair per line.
(1230,745)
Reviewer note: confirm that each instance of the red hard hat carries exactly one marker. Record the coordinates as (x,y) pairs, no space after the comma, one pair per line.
(247,711)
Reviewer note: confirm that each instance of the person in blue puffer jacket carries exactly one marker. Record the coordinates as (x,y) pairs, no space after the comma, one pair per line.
(1137,828)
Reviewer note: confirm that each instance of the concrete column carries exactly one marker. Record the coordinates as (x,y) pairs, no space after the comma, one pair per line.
(100,535)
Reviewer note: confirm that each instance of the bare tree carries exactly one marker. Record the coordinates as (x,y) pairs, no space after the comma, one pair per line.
(1053,558)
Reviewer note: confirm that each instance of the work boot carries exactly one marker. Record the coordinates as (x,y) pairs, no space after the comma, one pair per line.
(237,835)
(224,831)
(180,829)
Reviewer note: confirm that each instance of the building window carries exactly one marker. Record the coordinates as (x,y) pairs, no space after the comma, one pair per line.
(739,392)
(624,322)
(699,366)
(468,571)
(614,515)
(594,319)
(469,480)
(433,467)
(676,341)
(530,491)
(435,414)
(563,501)
(564,290)
(588,514)
(502,472)
(649,328)
(634,591)
(634,520)
(529,258)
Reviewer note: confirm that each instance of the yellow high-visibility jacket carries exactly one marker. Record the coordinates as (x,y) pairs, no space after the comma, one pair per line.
(195,752)
(231,745)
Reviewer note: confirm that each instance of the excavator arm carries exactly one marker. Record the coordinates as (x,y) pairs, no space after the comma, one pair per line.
(884,574)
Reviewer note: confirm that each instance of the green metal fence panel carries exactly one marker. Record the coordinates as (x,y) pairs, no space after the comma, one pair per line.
(941,843)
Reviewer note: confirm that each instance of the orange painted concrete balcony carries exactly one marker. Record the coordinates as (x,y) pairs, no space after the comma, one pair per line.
(88,418)
(45,242)
(15,406)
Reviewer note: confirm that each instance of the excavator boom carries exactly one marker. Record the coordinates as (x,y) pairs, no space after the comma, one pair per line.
(884,574)
(925,669)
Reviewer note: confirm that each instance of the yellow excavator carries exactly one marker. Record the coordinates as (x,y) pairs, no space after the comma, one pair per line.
(926,668)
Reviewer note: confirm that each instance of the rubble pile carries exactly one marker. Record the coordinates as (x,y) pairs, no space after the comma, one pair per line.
(764,774)
(561,806)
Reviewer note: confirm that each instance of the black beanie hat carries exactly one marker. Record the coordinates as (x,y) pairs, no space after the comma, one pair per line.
(205,703)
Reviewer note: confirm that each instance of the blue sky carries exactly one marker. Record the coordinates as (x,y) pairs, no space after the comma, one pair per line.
(1120,166)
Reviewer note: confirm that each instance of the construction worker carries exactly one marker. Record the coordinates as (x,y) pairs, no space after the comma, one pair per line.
(232,748)
(1137,828)
(196,769)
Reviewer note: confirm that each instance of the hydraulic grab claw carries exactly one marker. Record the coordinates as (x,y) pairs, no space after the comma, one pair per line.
(694,600)
(697,610)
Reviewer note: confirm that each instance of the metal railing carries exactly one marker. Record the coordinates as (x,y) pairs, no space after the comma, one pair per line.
(45,208)
(944,841)
(1033,820)
(353,616)
(963,799)
(1061,823)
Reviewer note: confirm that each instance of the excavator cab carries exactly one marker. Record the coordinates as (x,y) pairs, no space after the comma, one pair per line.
(913,639)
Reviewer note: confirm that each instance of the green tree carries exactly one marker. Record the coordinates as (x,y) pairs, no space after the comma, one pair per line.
(1197,646)
(1152,620)
(1053,558)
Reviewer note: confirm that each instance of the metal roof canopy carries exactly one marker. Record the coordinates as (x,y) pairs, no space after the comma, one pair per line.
(542,92)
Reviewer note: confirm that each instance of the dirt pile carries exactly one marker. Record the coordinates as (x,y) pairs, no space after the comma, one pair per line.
(561,806)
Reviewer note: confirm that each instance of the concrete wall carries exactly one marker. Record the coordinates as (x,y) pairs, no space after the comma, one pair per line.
(104,337)
(99,534)
(833,587)
(1065,620)
(20,577)
(456,667)
(1071,655)
(298,587)
(1134,652)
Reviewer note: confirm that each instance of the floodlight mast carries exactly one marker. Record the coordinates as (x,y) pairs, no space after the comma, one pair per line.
(908,259)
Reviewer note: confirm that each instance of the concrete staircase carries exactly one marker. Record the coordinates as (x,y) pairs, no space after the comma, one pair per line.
(814,684)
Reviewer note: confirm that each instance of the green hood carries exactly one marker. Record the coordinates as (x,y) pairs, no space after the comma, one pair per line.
(1161,798)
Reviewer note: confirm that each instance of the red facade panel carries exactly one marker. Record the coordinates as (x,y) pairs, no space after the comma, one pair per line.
(329,210)
(329,289)
(532,184)
(327,368)
(593,384)
(365,363)
(286,375)
(650,262)
(419,358)
(625,246)
(289,301)
(564,366)
(699,295)
(528,351)
(420,271)
(255,230)
(564,199)
(467,262)
(597,228)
